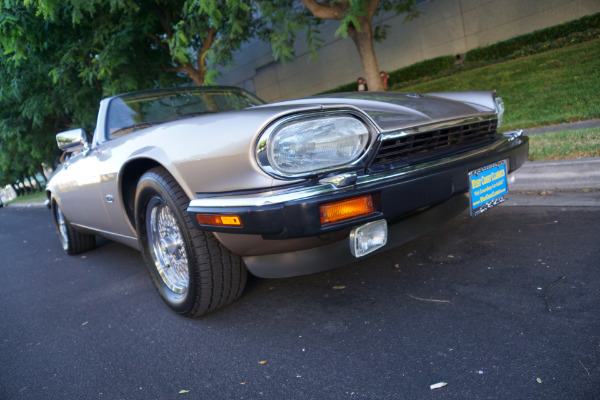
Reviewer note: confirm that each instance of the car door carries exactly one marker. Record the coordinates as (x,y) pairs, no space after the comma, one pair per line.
(111,155)
(81,198)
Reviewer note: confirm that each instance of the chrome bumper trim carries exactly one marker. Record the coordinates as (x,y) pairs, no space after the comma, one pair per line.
(280,196)
(102,232)
(512,135)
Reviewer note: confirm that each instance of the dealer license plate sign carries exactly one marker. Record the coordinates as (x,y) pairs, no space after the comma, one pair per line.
(488,186)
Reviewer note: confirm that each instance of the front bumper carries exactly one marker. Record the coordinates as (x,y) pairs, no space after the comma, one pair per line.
(293,212)
(337,253)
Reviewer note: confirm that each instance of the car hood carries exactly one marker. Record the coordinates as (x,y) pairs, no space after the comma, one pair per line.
(393,111)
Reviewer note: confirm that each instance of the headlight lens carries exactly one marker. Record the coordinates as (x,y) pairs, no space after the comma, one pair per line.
(303,146)
(499,109)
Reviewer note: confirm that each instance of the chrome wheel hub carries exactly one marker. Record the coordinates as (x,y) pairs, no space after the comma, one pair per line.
(61,224)
(167,247)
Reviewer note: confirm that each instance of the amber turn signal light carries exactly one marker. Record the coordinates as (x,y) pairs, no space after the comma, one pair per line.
(346,209)
(219,220)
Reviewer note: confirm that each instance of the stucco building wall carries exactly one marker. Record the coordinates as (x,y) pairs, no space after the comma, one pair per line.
(445,27)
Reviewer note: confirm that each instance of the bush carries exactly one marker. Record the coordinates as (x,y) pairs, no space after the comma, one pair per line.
(504,49)
(430,67)
(349,87)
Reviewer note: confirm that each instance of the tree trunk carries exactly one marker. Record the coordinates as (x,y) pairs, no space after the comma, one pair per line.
(43,172)
(24,187)
(198,75)
(361,35)
(363,40)
(16,188)
(195,75)
(39,184)
(33,184)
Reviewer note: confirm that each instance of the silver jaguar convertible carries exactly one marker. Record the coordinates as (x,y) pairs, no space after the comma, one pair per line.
(211,182)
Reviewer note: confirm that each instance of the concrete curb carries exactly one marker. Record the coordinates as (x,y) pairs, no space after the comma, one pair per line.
(592,123)
(25,205)
(561,174)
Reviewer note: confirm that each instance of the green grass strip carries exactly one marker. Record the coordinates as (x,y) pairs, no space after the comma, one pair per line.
(581,143)
(550,88)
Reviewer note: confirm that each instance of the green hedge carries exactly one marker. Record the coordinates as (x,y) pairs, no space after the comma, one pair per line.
(423,68)
(569,33)
(349,87)
(501,50)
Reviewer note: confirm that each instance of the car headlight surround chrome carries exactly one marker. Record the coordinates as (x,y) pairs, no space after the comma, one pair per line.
(499,109)
(314,143)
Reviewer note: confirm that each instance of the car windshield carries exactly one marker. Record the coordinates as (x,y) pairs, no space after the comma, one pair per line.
(132,111)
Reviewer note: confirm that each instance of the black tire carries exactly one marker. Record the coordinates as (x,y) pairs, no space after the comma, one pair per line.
(72,241)
(193,273)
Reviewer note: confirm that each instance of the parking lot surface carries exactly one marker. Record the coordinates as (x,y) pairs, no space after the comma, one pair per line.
(504,305)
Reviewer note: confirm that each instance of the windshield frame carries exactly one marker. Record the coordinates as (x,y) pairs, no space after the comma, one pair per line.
(164,93)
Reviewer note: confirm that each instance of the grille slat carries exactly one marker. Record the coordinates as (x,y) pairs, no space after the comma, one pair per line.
(427,144)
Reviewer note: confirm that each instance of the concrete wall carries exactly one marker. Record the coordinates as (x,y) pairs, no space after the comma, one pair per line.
(445,27)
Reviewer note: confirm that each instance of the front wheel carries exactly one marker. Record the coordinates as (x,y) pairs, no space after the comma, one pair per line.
(192,271)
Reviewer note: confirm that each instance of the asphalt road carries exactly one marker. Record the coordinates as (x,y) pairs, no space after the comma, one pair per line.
(465,305)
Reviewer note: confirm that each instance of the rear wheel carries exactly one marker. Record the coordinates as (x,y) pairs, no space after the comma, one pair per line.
(72,241)
(192,271)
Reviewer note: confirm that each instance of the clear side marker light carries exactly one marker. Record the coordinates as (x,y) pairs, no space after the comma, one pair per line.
(367,238)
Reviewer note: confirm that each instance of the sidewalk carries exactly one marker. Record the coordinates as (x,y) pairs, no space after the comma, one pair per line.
(573,183)
(562,174)
(592,123)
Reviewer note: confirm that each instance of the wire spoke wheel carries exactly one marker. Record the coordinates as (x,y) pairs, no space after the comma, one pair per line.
(61,226)
(192,272)
(167,247)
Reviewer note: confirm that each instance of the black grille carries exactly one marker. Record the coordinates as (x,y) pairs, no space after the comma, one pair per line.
(435,143)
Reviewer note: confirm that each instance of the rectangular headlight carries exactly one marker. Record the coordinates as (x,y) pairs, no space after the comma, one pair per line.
(367,238)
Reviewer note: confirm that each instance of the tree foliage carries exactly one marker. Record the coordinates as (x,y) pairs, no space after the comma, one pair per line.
(32,107)
(190,36)
(58,58)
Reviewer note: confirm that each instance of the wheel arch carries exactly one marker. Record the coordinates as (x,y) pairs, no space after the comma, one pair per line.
(129,177)
(49,199)
(53,201)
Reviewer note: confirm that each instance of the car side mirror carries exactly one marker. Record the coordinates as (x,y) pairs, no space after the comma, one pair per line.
(74,140)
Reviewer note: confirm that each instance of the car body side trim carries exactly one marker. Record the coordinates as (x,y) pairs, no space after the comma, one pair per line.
(130,241)
(323,187)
